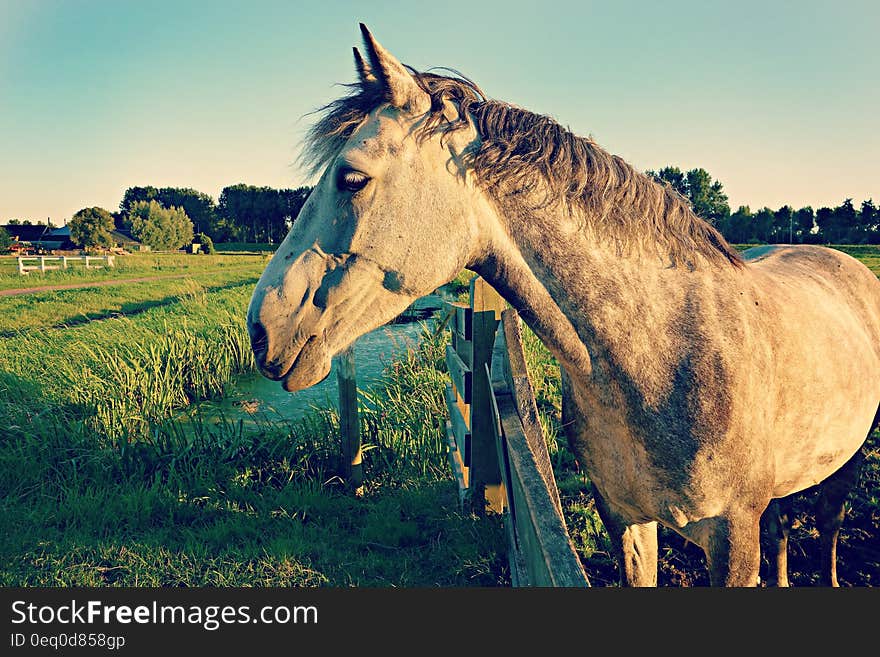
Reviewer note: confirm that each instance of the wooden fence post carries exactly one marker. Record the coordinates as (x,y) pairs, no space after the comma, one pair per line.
(349,424)
(484,476)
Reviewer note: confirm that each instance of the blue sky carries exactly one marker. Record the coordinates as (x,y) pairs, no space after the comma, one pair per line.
(778,100)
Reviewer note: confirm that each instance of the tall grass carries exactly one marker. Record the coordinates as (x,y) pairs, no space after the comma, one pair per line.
(126,374)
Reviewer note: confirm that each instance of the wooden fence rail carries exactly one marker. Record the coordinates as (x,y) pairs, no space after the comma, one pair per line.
(492,409)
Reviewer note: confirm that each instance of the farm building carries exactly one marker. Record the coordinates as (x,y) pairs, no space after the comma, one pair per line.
(44,238)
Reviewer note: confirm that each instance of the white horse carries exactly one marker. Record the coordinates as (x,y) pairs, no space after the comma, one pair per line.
(698,386)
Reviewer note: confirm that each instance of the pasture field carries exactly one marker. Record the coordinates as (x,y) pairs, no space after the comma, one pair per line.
(136,265)
(110,476)
(70,307)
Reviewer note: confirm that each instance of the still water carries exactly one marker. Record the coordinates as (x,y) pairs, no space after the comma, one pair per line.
(254,399)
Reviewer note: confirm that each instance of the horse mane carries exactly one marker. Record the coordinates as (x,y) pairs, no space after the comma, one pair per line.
(527,161)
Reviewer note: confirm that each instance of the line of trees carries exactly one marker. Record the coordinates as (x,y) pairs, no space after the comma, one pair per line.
(244,213)
(843,224)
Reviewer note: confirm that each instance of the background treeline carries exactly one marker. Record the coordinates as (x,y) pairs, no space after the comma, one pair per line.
(244,213)
(844,224)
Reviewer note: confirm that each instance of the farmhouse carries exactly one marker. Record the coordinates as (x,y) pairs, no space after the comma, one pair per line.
(44,238)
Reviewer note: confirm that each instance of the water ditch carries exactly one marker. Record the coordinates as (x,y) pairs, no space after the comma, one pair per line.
(255,400)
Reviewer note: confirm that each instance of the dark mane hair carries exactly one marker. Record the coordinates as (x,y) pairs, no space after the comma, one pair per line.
(526,161)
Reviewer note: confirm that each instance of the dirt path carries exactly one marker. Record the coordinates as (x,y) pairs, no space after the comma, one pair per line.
(117,281)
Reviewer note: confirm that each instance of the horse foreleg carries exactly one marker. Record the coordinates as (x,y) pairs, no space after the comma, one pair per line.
(733,549)
(777,520)
(635,546)
(830,511)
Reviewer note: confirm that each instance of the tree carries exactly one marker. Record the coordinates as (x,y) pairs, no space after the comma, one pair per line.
(707,198)
(869,221)
(805,223)
(91,228)
(847,224)
(133,195)
(199,207)
(158,227)
(261,214)
(782,231)
(827,223)
(5,240)
(740,226)
(673,176)
(763,225)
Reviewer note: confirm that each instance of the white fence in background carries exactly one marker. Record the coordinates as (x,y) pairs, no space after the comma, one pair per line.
(61,262)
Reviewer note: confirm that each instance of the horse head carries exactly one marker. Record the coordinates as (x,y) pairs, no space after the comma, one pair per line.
(393,216)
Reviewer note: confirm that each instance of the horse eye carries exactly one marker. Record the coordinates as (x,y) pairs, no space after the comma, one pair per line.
(349,180)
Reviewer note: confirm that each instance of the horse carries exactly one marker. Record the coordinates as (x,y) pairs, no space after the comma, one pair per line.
(698,384)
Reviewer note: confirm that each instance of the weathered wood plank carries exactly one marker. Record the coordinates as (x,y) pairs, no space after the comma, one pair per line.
(349,424)
(464,349)
(459,372)
(485,474)
(463,321)
(520,386)
(516,562)
(460,428)
(459,471)
(541,542)
(464,408)
(549,556)
(484,298)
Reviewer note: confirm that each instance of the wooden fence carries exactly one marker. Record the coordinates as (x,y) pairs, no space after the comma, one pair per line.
(496,447)
(495,444)
(61,262)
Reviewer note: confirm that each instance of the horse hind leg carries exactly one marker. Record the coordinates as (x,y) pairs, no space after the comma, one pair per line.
(830,511)
(777,521)
(635,546)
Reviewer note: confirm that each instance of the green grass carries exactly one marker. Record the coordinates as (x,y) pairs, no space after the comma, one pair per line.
(129,266)
(104,481)
(76,306)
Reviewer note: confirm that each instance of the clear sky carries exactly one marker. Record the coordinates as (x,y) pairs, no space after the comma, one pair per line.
(778,100)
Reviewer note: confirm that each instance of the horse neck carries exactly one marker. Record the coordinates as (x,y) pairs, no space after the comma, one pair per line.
(592,304)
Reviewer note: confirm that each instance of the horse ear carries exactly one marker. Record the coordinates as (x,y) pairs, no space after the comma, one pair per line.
(398,85)
(450,111)
(365,73)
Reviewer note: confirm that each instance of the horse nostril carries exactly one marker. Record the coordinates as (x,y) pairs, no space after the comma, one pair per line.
(259,339)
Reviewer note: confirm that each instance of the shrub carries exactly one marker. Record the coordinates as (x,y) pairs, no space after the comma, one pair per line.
(206,242)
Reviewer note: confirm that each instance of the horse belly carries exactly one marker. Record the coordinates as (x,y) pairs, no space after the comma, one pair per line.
(821,401)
